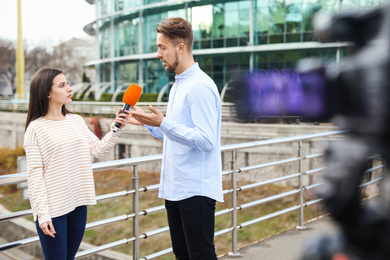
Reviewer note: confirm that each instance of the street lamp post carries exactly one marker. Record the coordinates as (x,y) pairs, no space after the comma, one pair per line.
(20,94)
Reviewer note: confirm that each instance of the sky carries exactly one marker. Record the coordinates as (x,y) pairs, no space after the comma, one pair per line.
(45,22)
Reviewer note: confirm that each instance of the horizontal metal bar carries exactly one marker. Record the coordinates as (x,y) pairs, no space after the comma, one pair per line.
(227,191)
(152,187)
(375,168)
(14,178)
(324,168)
(156,231)
(258,166)
(99,166)
(315,170)
(223,212)
(120,163)
(227,172)
(157,254)
(370,182)
(27,213)
(313,186)
(223,231)
(360,186)
(311,156)
(274,214)
(24,213)
(233,147)
(308,203)
(19,243)
(113,195)
(268,199)
(153,210)
(108,221)
(258,184)
(103,247)
(374,156)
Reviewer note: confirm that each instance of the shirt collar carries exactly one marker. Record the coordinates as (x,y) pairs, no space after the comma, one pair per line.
(187,73)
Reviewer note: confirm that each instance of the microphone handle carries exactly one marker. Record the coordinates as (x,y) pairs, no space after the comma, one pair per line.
(118,125)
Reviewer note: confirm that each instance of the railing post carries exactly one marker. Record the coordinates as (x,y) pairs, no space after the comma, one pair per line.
(234,252)
(136,213)
(300,226)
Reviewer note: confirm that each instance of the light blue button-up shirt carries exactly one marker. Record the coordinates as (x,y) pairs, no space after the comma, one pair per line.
(191,133)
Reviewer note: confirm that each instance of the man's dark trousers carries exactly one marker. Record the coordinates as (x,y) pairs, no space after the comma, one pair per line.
(191,224)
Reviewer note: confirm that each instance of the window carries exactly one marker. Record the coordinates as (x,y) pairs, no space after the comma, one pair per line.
(126,37)
(202,20)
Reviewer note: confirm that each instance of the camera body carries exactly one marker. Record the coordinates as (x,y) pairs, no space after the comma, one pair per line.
(359,89)
(355,95)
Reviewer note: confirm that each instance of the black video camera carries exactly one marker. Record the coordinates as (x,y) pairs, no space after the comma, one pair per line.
(355,94)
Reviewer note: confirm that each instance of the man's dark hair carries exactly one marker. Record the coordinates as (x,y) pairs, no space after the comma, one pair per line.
(178,30)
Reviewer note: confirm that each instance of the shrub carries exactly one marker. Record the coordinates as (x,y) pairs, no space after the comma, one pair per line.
(9,159)
(8,165)
(148,97)
(106,97)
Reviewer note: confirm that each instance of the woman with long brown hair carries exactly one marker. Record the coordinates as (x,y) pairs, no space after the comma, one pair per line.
(58,147)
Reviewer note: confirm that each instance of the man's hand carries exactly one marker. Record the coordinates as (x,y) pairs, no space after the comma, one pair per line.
(131,119)
(48,228)
(139,117)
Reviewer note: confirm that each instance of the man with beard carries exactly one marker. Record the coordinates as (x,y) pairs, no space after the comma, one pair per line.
(191,171)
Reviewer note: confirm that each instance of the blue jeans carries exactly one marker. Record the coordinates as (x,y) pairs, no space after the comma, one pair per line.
(69,233)
(191,225)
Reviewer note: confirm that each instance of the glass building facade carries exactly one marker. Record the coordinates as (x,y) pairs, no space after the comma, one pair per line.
(228,35)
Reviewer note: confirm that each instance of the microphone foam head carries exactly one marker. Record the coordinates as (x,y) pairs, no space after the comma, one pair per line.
(132,94)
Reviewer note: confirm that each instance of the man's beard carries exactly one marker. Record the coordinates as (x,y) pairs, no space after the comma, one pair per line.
(174,65)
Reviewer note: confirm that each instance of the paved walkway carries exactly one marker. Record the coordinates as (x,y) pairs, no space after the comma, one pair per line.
(287,245)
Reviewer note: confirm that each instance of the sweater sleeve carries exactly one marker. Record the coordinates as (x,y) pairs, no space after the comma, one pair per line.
(99,147)
(35,180)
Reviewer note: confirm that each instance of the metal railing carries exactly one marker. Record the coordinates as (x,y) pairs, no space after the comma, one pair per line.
(234,172)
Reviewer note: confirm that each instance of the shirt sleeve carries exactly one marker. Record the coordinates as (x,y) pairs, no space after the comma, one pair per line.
(99,147)
(155,131)
(205,109)
(36,183)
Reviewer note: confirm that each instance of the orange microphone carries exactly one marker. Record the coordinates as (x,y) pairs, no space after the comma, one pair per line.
(130,98)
